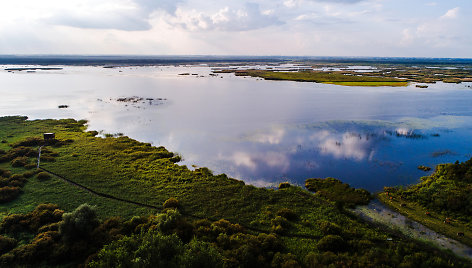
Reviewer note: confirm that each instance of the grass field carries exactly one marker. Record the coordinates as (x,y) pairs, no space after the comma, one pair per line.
(370,84)
(336,78)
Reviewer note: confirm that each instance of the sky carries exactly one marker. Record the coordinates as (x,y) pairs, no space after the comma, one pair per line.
(382,28)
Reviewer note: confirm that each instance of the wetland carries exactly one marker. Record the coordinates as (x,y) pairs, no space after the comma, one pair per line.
(200,142)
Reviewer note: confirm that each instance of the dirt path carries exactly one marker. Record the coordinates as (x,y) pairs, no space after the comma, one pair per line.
(379,213)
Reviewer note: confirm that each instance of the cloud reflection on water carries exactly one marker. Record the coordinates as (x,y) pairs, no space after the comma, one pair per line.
(343,149)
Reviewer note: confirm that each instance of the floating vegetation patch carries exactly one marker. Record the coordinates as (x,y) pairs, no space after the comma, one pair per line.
(136,101)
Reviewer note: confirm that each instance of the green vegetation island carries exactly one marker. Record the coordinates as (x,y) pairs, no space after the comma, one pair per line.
(76,199)
(393,75)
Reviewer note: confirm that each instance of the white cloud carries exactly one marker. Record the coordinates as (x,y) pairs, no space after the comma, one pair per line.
(127,15)
(275,136)
(451,14)
(267,27)
(226,19)
(351,146)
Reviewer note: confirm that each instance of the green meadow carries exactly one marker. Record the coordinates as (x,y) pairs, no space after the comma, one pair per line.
(336,78)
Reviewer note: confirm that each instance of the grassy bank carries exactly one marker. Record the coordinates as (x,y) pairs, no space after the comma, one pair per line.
(441,201)
(431,219)
(337,78)
(309,229)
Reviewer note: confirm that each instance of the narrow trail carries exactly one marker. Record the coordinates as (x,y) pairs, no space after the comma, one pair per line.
(98,193)
(377,212)
(160,208)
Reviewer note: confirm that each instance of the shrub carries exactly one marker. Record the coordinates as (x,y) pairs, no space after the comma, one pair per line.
(20,161)
(6,244)
(5,173)
(43,176)
(17,180)
(8,193)
(172,222)
(78,224)
(284,185)
(4,182)
(171,203)
(340,193)
(92,133)
(29,142)
(285,260)
(153,249)
(47,158)
(43,214)
(333,243)
(30,174)
(287,213)
(329,228)
(30,166)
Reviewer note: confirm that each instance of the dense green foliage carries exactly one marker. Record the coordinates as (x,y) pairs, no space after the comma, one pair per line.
(230,223)
(153,249)
(336,191)
(447,191)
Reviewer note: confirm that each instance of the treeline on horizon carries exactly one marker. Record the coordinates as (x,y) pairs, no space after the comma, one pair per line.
(136,60)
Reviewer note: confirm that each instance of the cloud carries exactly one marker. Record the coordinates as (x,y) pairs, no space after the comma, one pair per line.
(151,5)
(226,19)
(119,15)
(442,32)
(351,146)
(451,13)
(275,136)
(340,1)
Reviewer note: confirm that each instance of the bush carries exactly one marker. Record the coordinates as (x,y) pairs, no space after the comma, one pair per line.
(172,222)
(340,193)
(4,182)
(43,176)
(9,193)
(17,180)
(47,158)
(333,243)
(29,142)
(30,166)
(153,249)
(6,244)
(284,185)
(329,228)
(20,161)
(285,260)
(43,214)
(287,213)
(30,173)
(171,203)
(5,173)
(78,224)
(92,133)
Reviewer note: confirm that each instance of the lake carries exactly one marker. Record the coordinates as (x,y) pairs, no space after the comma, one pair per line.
(262,132)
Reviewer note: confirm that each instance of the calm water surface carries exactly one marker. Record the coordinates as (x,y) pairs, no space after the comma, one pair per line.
(262,132)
